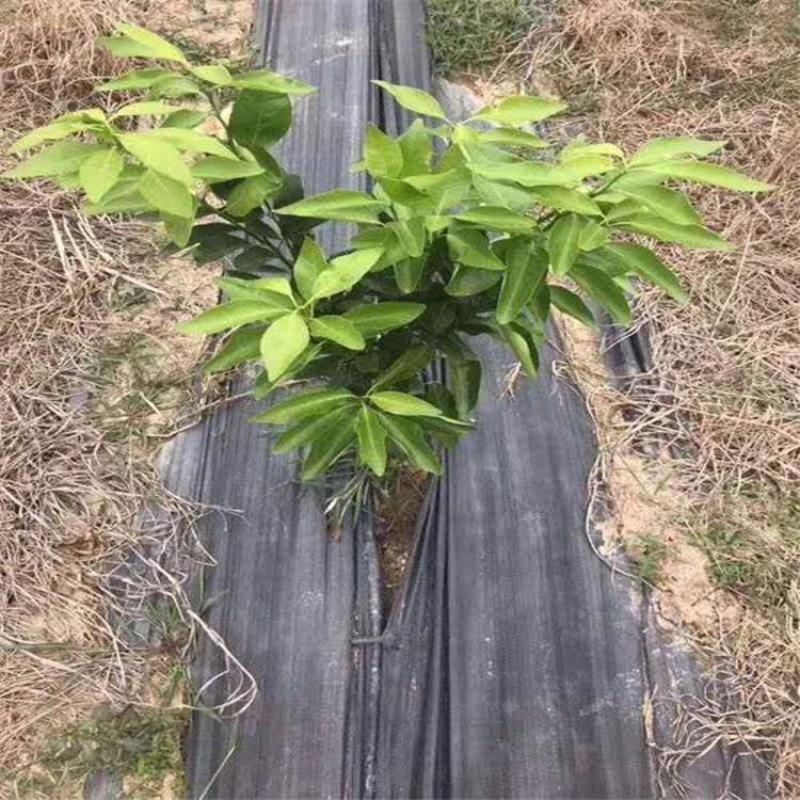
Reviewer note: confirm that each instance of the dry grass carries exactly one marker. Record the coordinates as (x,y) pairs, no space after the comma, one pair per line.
(724,397)
(92,378)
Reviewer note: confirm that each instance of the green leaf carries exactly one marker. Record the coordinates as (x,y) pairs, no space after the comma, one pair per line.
(62,158)
(340,204)
(344,272)
(464,376)
(662,149)
(155,45)
(521,110)
(649,266)
(310,263)
(259,119)
(667,203)
(563,199)
(382,154)
(244,289)
(251,193)
(137,79)
(408,436)
(592,235)
(471,248)
(337,329)
(512,137)
(692,236)
(467,281)
(523,349)
(230,315)
(218,74)
(185,118)
(411,235)
(404,405)
(263,80)
(242,346)
(313,430)
(327,451)
(382,317)
(158,155)
(414,99)
(562,243)
(282,343)
(528,173)
(148,107)
(578,149)
(214,168)
(175,86)
(371,441)
(100,172)
(193,141)
(709,174)
(526,269)
(178,229)
(310,403)
(405,367)
(48,133)
(603,289)
(416,145)
(569,303)
(408,272)
(498,219)
(166,194)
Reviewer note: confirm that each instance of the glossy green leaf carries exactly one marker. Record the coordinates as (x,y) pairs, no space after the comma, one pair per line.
(382,154)
(467,281)
(218,74)
(259,119)
(166,194)
(526,268)
(563,199)
(282,343)
(313,430)
(710,175)
(649,266)
(520,110)
(404,405)
(61,158)
(414,99)
(569,303)
(309,264)
(523,349)
(100,172)
(215,168)
(512,137)
(263,80)
(408,436)
(563,243)
(692,236)
(158,47)
(601,288)
(344,272)
(340,204)
(498,219)
(337,329)
(48,133)
(190,140)
(137,79)
(676,147)
(160,156)
(230,315)
(250,193)
(371,441)
(300,406)
(242,346)
(407,273)
(382,317)
(327,451)
(471,248)
(667,203)
(154,108)
(244,289)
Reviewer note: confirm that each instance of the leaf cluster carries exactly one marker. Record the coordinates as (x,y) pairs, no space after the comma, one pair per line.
(471,228)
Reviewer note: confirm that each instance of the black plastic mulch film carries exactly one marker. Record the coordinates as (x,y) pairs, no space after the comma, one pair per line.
(513,663)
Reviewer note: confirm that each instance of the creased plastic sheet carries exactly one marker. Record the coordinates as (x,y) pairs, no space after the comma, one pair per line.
(514,662)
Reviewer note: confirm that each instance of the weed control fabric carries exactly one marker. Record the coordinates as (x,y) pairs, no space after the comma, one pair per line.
(514,662)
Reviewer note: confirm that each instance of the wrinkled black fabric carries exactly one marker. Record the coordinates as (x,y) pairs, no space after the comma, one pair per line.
(514,663)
